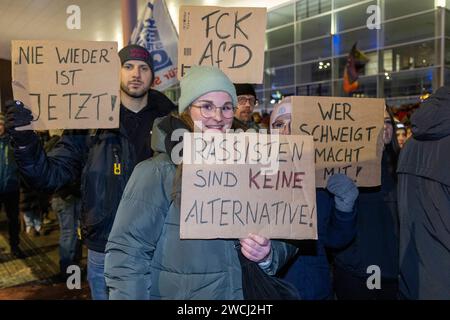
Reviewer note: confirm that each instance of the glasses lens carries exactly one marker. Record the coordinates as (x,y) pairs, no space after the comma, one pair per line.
(207,110)
(243,100)
(227,111)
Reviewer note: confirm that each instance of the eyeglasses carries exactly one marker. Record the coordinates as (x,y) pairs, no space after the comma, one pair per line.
(281,124)
(243,100)
(208,110)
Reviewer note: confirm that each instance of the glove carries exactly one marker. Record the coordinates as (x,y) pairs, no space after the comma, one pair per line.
(17,116)
(344,190)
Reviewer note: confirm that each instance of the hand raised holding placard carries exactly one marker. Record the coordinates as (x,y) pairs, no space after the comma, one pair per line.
(344,190)
(17,116)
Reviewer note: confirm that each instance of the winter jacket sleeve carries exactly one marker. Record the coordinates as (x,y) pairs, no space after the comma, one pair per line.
(282,252)
(336,228)
(137,228)
(61,166)
(341,228)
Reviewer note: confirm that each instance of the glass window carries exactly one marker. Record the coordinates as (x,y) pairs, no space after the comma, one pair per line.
(366,39)
(409,29)
(342,3)
(313,72)
(259,89)
(287,91)
(447,76)
(280,16)
(398,8)
(279,57)
(409,83)
(447,52)
(313,50)
(447,22)
(281,77)
(315,89)
(370,68)
(413,56)
(309,8)
(367,88)
(313,28)
(353,17)
(275,92)
(388,60)
(280,37)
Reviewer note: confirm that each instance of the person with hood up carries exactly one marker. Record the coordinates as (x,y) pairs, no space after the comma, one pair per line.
(424,202)
(376,242)
(336,220)
(145,258)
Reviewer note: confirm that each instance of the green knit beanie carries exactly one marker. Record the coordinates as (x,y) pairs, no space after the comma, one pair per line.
(200,80)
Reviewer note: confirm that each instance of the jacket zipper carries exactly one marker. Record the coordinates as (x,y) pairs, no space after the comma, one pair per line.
(117,170)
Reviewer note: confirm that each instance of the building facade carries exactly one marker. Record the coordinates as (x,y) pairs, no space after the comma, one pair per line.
(308,41)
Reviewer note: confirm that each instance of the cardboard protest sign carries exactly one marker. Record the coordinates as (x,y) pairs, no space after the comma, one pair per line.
(227,191)
(348,136)
(67,84)
(231,39)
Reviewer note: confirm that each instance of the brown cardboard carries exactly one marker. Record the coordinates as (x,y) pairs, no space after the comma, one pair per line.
(356,124)
(67,84)
(230,38)
(245,201)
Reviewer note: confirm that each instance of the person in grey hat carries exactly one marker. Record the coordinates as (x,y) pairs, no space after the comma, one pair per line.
(104,160)
(145,258)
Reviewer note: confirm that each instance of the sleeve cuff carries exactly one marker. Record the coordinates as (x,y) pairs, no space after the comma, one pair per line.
(267,262)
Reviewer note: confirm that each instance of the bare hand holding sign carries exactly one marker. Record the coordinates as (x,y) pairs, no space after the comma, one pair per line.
(347,136)
(67,84)
(231,39)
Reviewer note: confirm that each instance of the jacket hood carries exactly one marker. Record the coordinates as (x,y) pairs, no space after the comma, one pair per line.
(432,120)
(162,133)
(158,136)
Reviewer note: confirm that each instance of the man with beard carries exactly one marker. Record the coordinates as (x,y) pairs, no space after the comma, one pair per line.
(246,103)
(104,158)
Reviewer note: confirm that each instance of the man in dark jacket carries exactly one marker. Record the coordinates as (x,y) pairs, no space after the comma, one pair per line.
(246,103)
(375,247)
(424,202)
(104,159)
(9,189)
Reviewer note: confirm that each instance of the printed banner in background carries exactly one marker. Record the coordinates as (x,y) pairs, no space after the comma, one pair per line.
(156,32)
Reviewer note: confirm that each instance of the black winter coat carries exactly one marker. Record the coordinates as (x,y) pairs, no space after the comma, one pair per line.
(80,153)
(424,202)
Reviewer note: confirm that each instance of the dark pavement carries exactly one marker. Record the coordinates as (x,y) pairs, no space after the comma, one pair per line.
(37,275)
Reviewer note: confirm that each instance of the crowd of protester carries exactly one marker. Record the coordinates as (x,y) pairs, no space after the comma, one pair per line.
(121,188)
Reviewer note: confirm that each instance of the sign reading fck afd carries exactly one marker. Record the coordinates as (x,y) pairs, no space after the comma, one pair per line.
(228,38)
